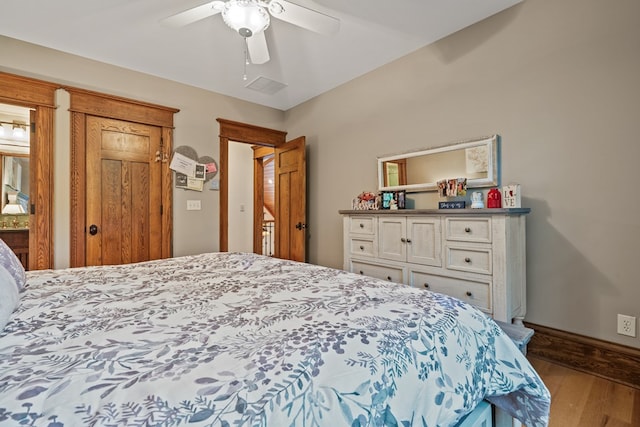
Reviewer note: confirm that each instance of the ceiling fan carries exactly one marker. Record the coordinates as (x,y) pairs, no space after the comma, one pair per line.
(250,18)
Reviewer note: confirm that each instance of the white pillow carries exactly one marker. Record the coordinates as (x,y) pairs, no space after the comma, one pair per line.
(10,262)
(9,297)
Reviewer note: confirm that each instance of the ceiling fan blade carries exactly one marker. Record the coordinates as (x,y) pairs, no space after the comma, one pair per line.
(307,18)
(258,49)
(192,15)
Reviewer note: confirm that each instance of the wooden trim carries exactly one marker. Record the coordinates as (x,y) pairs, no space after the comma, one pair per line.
(77,190)
(223,176)
(41,190)
(258,203)
(604,359)
(25,91)
(167,194)
(115,107)
(250,134)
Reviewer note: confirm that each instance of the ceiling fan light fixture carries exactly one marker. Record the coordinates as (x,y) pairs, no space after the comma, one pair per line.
(246,17)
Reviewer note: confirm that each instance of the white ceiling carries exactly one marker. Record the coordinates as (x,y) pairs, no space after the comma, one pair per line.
(209,55)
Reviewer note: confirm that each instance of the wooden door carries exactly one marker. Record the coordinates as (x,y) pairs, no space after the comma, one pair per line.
(290,196)
(123,192)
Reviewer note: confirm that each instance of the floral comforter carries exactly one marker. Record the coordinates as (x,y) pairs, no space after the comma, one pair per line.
(245,340)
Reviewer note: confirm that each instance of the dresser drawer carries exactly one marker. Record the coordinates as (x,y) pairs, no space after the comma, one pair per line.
(362,225)
(476,293)
(475,260)
(468,229)
(363,247)
(392,274)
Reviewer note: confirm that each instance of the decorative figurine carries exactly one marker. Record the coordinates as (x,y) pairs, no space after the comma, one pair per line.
(476,200)
(494,198)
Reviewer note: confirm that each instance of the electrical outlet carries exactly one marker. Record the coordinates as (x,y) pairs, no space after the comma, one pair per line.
(626,325)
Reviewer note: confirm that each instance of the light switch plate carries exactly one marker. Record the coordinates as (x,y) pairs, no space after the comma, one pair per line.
(193,205)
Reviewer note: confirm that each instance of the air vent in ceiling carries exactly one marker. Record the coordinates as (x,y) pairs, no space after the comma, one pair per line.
(265,85)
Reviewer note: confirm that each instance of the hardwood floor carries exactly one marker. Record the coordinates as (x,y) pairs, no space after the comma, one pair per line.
(583,400)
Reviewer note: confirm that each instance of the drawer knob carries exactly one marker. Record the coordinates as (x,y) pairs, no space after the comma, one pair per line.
(361,225)
(426,285)
(389,278)
(467,229)
(408,240)
(467,260)
(469,294)
(361,272)
(403,240)
(361,248)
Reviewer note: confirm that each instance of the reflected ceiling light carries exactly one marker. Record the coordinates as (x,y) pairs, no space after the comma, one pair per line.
(246,17)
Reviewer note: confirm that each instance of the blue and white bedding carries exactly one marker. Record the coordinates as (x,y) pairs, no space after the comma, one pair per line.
(245,340)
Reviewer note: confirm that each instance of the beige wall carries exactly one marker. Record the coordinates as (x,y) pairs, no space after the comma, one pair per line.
(195,125)
(240,214)
(559,81)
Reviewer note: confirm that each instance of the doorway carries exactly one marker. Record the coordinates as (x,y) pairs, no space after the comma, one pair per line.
(39,97)
(251,198)
(14,179)
(289,182)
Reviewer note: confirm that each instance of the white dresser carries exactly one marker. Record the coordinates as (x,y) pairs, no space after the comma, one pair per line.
(476,255)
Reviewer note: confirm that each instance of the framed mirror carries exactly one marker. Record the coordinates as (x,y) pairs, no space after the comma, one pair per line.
(477,160)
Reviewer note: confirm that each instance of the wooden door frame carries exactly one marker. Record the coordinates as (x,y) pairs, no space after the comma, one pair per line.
(39,96)
(84,103)
(244,133)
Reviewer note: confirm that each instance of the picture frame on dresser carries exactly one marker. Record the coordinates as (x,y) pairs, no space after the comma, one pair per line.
(393,200)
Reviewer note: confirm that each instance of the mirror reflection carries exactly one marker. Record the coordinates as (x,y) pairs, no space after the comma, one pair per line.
(476,160)
(15,188)
(14,167)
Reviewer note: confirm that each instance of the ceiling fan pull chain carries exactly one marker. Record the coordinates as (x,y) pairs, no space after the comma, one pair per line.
(246,58)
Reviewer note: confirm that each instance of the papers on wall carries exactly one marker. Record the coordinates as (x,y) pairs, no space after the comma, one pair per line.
(190,174)
(183,164)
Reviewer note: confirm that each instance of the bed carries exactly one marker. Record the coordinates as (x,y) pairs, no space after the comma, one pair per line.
(232,339)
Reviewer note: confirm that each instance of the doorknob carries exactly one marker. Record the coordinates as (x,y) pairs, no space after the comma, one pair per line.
(93,229)
(301,226)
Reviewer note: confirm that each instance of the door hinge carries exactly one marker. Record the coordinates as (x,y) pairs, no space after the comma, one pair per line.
(33,209)
(161,209)
(33,127)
